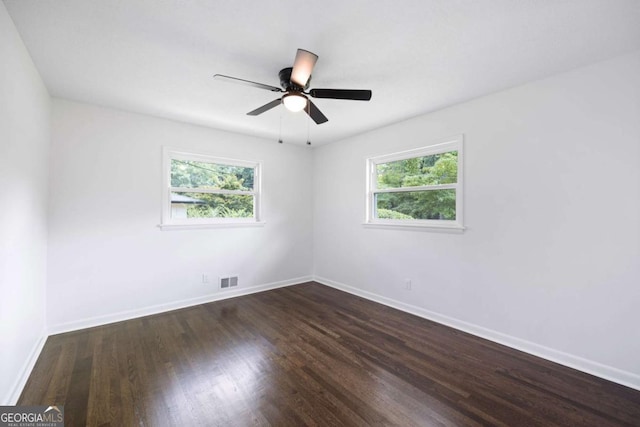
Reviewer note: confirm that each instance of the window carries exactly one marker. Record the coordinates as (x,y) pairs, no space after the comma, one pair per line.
(201,190)
(417,188)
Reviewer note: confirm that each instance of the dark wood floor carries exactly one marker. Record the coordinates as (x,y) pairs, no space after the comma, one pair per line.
(309,355)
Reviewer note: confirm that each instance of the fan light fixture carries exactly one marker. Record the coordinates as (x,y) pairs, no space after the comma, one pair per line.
(294,81)
(294,102)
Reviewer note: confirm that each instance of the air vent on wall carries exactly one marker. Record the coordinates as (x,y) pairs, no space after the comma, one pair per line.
(228,282)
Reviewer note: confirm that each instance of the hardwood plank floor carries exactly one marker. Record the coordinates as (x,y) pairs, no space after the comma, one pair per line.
(310,355)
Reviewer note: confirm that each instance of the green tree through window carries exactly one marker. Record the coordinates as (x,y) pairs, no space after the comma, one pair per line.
(201,175)
(201,190)
(416,172)
(420,187)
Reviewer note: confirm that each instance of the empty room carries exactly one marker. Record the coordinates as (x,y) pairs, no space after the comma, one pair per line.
(420,213)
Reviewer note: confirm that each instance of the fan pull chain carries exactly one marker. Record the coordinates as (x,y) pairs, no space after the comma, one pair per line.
(308,121)
(280,134)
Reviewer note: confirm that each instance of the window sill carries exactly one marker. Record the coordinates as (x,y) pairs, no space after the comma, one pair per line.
(444,228)
(172,227)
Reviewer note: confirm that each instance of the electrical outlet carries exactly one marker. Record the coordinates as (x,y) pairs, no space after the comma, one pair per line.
(407,284)
(205,278)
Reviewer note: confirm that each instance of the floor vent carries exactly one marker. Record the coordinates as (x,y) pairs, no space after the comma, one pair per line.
(228,282)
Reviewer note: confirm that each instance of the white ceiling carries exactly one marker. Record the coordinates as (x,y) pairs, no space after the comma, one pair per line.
(158,57)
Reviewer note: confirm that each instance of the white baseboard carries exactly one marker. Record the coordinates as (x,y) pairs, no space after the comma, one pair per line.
(609,373)
(27,367)
(174,305)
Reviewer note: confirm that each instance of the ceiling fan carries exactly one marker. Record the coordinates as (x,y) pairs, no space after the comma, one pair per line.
(295,81)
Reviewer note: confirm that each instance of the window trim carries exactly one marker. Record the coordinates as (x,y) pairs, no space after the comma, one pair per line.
(454,143)
(169,223)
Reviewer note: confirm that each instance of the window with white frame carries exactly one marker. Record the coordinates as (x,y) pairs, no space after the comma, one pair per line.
(421,187)
(202,190)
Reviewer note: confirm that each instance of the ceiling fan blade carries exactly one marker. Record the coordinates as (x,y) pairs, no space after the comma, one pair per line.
(352,94)
(302,67)
(265,107)
(315,113)
(229,79)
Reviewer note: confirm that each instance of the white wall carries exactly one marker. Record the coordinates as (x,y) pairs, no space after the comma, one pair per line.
(550,261)
(24,151)
(107,258)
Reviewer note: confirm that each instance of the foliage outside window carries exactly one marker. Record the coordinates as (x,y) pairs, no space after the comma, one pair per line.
(421,187)
(205,190)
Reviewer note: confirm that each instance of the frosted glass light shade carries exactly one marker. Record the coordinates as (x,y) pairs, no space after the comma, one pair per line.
(294,102)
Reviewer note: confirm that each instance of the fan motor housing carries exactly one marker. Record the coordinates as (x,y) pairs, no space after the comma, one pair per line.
(287,84)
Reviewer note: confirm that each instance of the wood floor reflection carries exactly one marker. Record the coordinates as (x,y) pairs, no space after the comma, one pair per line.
(309,355)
